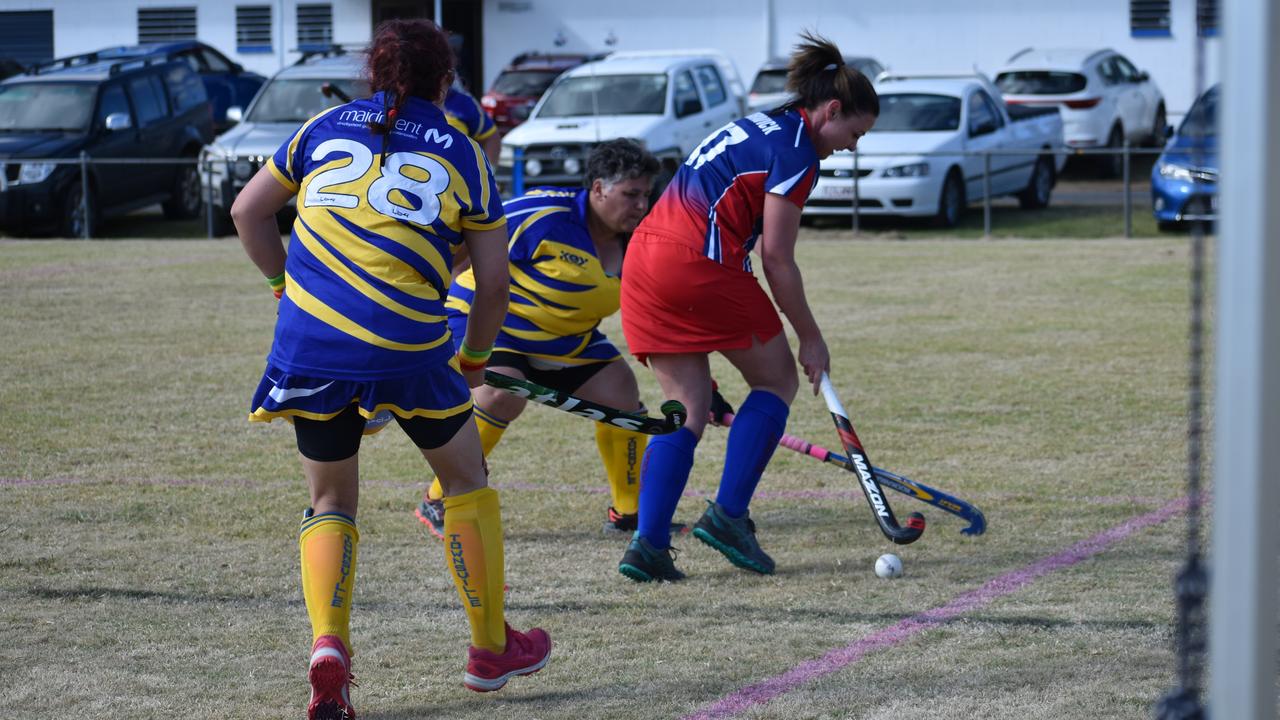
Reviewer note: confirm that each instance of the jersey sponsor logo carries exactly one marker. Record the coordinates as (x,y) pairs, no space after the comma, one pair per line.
(362,117)
(575,259)
(280,394)
(437,137)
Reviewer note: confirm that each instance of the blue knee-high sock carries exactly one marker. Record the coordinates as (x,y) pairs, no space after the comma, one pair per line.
(663,474)
(754,436)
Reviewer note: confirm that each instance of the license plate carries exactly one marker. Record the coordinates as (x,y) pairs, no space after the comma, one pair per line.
(831,191)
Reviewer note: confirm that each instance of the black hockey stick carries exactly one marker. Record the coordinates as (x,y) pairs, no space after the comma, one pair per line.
(859,463)
(673,411)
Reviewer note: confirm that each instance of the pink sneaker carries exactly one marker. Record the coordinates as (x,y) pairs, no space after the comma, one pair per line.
(526,654)
(330,677)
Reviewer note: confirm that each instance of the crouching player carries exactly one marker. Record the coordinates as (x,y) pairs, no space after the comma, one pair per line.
(565,257)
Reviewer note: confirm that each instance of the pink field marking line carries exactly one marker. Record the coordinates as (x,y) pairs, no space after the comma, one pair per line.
(766,690)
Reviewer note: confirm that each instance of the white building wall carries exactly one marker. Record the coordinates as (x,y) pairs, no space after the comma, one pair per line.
(907,35)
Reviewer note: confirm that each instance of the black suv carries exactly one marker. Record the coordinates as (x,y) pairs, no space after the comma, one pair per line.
(108,109)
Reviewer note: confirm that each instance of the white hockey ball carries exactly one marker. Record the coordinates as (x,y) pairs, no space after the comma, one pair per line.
(889,566)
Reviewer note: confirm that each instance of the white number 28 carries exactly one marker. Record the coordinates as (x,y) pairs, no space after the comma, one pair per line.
(390,178)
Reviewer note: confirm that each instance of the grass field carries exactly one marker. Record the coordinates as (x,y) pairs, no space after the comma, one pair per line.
(151,565)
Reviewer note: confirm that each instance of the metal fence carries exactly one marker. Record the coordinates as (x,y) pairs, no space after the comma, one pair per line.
(206,165)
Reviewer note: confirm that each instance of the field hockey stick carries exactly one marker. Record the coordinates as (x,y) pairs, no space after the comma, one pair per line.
(893,481)
(859,463)
(673,412)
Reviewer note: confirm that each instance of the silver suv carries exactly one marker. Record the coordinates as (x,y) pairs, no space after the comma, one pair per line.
(293,96)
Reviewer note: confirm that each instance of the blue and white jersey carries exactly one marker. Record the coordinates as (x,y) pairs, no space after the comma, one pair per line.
(371,253)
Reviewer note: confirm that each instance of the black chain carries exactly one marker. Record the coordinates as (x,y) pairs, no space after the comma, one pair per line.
(1191,588)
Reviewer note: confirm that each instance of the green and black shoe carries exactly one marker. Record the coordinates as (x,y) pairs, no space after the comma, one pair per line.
(643,562)
(735,538)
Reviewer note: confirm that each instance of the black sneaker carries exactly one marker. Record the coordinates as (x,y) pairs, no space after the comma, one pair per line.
(643,562)
(735,538)
(617,523)
(431,514)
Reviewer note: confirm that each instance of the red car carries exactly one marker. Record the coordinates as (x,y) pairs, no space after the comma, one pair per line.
(518,87)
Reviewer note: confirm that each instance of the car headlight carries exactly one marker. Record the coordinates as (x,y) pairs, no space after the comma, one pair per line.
(1171,171)
(903,171)
(573,166)
(533,168)
(507,155)
(35,172)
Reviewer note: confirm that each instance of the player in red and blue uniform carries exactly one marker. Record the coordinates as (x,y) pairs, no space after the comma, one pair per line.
(688,290)
(387,194)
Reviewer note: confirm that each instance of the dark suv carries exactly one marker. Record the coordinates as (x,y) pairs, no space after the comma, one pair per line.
(227,84)
(118,109)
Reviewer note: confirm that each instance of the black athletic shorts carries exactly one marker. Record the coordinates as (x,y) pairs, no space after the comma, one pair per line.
(338,438)
(566,379)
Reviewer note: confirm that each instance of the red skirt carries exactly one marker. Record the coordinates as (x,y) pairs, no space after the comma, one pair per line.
(675,300)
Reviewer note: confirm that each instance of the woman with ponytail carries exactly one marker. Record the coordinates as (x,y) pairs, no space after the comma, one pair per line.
(387,193)
(688,291)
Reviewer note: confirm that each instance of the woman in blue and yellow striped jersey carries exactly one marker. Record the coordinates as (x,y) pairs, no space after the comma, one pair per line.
(387,193)
(565,259)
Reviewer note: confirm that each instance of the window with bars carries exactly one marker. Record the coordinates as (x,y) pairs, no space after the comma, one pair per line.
(315,26)
(1149,18)
(1207,18)
(166,24)
(253,28)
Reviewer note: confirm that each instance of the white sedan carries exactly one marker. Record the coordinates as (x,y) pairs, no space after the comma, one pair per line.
(903,165)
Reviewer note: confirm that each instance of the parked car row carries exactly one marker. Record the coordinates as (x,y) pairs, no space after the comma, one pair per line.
(923,157)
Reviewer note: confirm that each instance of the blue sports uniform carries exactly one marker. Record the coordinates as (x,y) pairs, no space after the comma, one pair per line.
(559,290)
(369,263)
(466,114)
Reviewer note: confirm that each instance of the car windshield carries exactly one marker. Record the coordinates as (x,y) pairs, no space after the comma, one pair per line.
(524,83)
(1202,120)
(917,112)
(770,81)
(46,106)
(298,100)
(1039,82)
(606,95)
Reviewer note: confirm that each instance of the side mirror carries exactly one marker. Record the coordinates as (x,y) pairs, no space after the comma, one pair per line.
(688,106)
(983,128)
(1168,131)
(118,121)
(1144,76)
(236,68)
(235,114)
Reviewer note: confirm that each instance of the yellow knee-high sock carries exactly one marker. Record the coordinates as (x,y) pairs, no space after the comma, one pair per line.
(328,545)
(621,450)
(473,552)
(491,429)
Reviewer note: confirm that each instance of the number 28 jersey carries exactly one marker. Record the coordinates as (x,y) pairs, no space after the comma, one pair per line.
(715,202)
(371,253)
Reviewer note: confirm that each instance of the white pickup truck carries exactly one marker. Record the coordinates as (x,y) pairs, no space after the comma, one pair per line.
(903,165)
(669,100)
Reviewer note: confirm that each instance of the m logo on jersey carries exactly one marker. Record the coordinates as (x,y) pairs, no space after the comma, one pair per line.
(432,135)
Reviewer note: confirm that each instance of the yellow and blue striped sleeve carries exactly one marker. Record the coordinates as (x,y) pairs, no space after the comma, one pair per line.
(485,212)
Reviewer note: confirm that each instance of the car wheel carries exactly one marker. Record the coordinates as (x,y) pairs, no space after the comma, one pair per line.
(1039,187)
(74,218)
(951,202)
(186,202)
(1112,163)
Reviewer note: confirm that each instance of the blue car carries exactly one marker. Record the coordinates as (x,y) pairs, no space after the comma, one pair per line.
(1184,180)
(226,83)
